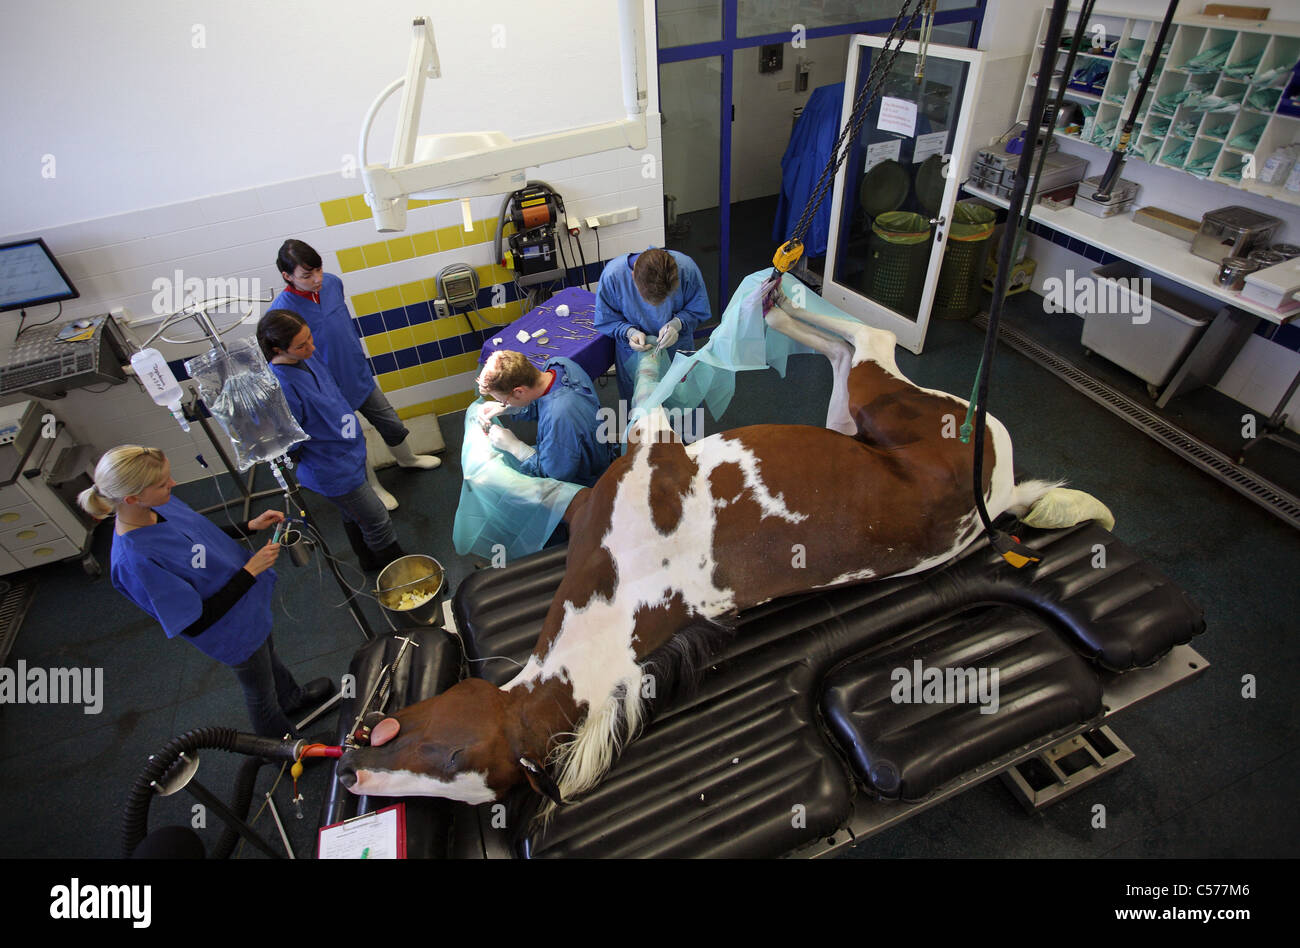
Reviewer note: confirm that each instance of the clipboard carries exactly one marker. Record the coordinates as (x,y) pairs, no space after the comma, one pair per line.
(377,835)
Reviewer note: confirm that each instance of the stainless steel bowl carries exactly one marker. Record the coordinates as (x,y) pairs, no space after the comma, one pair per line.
(417,575)
(1266,258)
(1289,251)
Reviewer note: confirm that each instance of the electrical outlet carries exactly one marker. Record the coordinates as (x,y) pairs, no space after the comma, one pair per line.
(784,86)
(616,217)
(574,225)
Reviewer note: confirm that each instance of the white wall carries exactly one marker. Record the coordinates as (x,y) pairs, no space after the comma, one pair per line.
(170,158)
(157,101)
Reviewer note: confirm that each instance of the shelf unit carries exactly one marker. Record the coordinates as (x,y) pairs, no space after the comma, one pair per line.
(1228,147)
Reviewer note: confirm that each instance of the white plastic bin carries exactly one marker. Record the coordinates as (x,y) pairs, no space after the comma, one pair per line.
(1117,327)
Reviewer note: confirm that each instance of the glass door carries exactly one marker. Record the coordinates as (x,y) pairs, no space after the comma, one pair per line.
(894,194)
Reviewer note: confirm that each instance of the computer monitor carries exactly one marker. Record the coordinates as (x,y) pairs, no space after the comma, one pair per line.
(30,276)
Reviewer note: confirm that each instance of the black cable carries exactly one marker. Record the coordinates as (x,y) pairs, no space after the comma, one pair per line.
(596,230)
(23,318)
(583,257)
(1006,252)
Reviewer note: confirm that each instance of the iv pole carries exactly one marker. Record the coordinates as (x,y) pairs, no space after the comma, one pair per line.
(280,466)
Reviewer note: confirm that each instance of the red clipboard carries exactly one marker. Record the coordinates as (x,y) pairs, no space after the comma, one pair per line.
(377,835)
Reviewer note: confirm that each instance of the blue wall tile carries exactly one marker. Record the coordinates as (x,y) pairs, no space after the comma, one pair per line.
(394,319)
(419,313)
(384,362)
(406,358)
(371,325)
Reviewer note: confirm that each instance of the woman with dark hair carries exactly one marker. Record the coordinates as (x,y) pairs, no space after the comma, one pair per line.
(317,297)
(333,461)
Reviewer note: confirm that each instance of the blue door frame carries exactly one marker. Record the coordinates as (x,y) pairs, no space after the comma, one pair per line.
(726,48)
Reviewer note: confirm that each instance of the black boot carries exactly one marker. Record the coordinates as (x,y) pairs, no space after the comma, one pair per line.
(369,559)
(389,553)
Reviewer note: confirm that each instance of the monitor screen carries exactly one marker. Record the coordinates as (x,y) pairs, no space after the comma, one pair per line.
(30,276)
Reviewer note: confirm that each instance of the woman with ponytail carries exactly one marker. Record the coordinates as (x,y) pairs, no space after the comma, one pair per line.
(197,581)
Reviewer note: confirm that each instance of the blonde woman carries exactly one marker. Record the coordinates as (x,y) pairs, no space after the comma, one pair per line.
(197,581)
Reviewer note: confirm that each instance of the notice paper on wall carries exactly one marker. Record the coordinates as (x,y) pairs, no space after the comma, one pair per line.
(882,151)
(897,115)
(378,835)
(927,145)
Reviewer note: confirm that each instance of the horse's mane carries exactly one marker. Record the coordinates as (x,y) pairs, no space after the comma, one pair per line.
(583,757)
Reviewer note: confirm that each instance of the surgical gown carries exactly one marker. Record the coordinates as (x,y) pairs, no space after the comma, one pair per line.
(620,309)
(333,461)
(568,443)
(337,343)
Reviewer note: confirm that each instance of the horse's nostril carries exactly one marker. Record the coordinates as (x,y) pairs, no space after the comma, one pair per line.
(348,778)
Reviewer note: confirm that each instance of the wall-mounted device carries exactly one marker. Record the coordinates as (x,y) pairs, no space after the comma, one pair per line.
(30,276)
(771,57)
(533,250)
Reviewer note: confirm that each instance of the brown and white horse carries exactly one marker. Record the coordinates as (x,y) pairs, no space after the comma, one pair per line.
(676,535)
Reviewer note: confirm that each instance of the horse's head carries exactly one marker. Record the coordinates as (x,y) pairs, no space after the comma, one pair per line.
(464,744)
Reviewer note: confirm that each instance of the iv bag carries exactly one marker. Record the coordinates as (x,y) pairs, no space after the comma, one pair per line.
(243,395)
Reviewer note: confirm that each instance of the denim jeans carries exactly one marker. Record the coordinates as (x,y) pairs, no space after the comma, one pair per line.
(364,508)
(268,689)
(384,417)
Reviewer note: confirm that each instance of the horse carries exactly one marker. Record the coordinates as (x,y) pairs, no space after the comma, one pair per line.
(676,539)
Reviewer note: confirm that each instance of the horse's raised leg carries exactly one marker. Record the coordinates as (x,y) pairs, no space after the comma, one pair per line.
(838,416)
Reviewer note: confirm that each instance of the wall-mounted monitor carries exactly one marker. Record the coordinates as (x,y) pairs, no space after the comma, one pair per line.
(30,276)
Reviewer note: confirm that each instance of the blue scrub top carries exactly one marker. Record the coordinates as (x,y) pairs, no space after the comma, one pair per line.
(620,309)
(567,426)
(333,461)
(338,344)
(170,567)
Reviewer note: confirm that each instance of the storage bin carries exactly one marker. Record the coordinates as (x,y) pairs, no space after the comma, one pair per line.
(1150,349)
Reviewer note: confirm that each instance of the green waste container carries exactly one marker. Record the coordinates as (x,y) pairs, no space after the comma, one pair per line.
(898,253)
(959,293)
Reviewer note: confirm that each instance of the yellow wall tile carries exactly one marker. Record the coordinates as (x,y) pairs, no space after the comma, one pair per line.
(430,289)
(363,304)
(425,242)
(412,293)
(412,376)
(389,381)
(413,203)
(422,333)
(465,362)
(454,403)
(378,344)
(450,238)
(456,325)
(437,369)
(336,212)
(497,316)
(389,298)
(376,254)
(350,259)
(414,411)
(358,207)
(400,248)
(401,339)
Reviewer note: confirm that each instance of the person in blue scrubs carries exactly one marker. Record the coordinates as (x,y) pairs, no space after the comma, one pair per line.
(651,300)
(317,297)
(197,581)
(562,400)
(333,461)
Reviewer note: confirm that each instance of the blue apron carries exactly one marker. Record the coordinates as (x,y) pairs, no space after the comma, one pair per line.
(333,461)
(170,567)
(338,344)
(567,425)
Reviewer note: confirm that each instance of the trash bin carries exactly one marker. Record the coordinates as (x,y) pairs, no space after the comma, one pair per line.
(959,292)
(898,252)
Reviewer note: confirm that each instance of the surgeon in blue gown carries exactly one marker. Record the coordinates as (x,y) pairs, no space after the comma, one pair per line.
(651,300)
(562,400)
(333,461)
(197,581)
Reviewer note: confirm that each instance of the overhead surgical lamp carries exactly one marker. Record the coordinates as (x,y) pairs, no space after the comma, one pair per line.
(462,165)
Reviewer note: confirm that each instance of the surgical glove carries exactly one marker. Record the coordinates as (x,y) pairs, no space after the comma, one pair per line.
(636,339)
(503,439)
(488,411)
(668,334)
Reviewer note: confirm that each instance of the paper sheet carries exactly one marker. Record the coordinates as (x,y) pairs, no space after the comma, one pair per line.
(882,151)
(378,835)
(897,115)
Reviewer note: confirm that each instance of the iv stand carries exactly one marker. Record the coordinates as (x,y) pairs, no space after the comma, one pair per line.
(280,467)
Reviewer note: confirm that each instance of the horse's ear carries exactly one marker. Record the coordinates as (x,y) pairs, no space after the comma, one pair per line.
(540,780)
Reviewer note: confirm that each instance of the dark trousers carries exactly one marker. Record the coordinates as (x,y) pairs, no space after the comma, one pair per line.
(269,688)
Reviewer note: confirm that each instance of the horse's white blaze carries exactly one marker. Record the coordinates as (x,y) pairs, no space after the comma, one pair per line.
(468,787)
(849,577)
